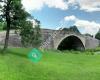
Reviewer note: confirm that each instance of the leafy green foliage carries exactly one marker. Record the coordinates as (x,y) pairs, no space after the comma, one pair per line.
(1,26)
(15,17)
(97,36)
(30,37)
(72,29)
(87,34)
(37,34)
(26,33)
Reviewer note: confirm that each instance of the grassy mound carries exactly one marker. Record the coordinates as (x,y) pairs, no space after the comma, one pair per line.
(54,65)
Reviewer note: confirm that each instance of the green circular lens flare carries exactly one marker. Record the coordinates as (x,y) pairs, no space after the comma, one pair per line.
(35,55)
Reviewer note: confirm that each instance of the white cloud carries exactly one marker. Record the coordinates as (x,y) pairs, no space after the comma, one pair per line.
(90,27)
(86,5)
(61,4)
(1,5)
(33,21)
(89,5)
(72,2)
(30,5)
(70,18)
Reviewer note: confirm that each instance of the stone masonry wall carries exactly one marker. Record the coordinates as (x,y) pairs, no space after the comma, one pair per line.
(15,39)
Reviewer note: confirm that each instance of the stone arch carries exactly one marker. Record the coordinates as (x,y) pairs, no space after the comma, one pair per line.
(71,42)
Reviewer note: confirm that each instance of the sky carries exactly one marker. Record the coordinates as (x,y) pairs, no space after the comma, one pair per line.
(54,14)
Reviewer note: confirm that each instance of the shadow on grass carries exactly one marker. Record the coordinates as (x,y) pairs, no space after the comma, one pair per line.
(17,53)
(13,53)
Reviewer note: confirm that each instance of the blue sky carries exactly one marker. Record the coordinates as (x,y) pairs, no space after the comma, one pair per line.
(85,14)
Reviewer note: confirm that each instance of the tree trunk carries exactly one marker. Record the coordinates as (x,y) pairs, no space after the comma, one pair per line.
(7,37)
(8,25)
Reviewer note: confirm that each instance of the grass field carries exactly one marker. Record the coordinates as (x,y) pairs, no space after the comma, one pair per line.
(54,65)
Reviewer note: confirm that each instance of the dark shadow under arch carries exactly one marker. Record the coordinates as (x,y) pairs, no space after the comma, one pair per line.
(71,43)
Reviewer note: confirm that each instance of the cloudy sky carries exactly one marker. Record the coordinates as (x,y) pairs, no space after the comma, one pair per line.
(57,13)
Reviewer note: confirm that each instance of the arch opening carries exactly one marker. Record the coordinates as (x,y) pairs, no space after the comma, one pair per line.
(71,43)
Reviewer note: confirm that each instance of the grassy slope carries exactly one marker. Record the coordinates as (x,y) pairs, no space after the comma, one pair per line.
(54,66)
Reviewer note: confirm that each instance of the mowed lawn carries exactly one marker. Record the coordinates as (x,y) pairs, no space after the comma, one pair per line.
(54,65)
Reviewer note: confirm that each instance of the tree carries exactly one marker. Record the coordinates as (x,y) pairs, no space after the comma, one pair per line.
(14,15)
(65,29)
(6,15)
(37,34)
(1,25)
(31,36)
(74,29)
(26,33)
(87,34)
(97,36)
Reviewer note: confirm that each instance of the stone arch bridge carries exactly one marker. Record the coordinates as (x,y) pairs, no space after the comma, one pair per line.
(56,39)
(69,41)
(63,40)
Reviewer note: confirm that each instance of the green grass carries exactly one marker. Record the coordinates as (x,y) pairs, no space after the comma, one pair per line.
(54,65)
